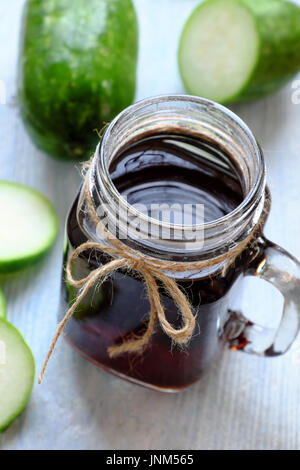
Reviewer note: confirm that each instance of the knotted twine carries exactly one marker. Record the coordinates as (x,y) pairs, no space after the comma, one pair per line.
(151,270)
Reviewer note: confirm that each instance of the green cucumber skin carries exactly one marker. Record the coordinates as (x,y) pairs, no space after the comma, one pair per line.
(278,23)
(5,425)
(2,306)
(9,267)
(77,69)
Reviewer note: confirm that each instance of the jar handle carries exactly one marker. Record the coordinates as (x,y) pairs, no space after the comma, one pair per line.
(281,269)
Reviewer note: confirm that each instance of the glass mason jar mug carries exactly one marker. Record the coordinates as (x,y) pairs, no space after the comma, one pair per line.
(158,162)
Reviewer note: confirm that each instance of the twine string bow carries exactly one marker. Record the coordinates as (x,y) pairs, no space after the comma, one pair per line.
(152,270)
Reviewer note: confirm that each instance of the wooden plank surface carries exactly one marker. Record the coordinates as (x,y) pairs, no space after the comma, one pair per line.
(246,402)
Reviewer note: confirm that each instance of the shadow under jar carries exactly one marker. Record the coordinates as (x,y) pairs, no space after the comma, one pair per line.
(157,157)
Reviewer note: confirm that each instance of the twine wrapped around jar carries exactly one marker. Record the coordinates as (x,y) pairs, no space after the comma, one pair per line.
(152,271)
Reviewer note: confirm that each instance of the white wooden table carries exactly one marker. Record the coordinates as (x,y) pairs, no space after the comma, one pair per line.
(246,402)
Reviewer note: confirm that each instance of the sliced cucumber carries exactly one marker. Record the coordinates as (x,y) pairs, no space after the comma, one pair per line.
(238,50)
(16,374)
(2,305)
(28,226)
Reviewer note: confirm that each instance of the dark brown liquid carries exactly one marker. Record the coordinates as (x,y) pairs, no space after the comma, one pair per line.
(168,171)
(163,170)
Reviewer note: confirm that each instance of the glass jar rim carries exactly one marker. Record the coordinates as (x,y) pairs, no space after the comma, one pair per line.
(253,200)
